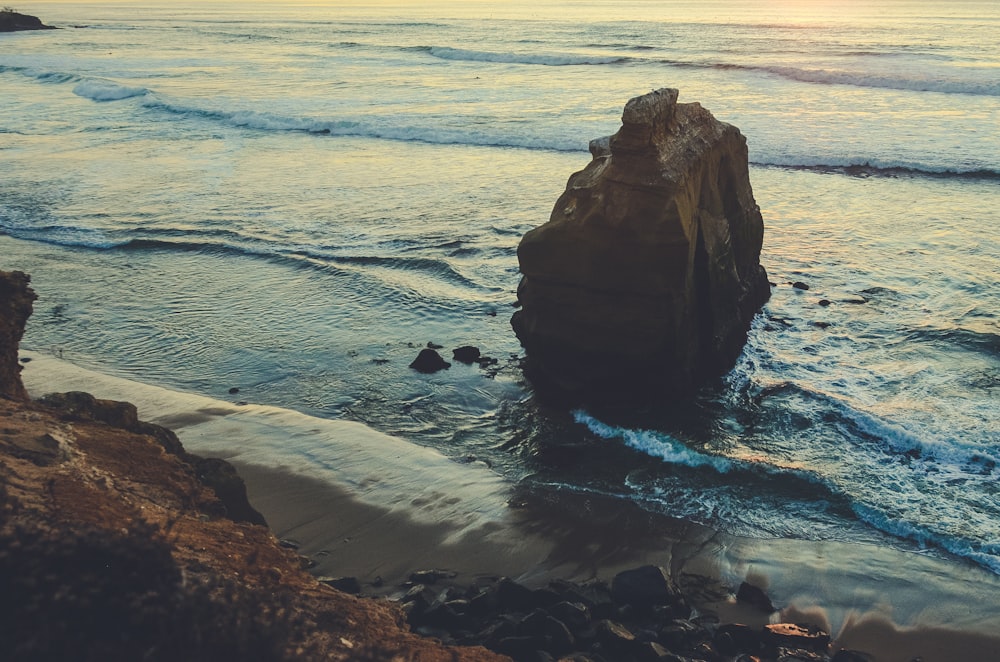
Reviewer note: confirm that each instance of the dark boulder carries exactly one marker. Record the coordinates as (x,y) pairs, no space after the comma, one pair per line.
(540,624)
(749,594)
(429,361)
(644,587)
(680,634)
(575,615)
(466,354)
(512,596)
(595,596)
(734,638)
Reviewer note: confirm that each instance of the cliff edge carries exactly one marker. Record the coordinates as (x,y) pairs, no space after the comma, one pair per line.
(647,274)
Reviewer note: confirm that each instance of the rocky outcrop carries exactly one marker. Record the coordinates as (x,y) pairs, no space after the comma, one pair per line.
(15,308)
(214,473)
(641,617)
(79,497)
(12,21)
(647,275)
(85,486)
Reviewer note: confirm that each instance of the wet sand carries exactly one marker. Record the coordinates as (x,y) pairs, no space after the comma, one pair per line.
(363,504)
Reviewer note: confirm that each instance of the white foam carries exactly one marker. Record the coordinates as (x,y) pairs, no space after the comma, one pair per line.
(102,90)
(655,444)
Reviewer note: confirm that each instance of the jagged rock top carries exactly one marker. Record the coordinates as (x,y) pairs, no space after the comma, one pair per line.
(671,135)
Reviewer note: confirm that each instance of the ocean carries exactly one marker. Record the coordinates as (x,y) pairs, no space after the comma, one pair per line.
(292,200)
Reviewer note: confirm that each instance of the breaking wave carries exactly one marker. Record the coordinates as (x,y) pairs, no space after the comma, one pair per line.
(100,90)
(891,515)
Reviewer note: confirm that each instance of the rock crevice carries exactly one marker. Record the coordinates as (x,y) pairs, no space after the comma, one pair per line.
(647,275)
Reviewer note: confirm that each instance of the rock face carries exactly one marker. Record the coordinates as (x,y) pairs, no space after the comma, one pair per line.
(647,275)
(15,308)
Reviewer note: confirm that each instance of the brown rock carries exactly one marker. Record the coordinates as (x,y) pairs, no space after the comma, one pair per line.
(647,273)
(15,308)
(181,585)
(790,635)
(644,587)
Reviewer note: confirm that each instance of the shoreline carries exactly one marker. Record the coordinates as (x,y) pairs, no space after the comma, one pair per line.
(380,507)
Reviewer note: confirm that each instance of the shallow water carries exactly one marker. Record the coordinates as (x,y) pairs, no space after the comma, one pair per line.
(294,201)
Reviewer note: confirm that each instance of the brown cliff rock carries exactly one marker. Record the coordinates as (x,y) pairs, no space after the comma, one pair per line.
(111,548)
(647,275)
(15,308)
(117,544)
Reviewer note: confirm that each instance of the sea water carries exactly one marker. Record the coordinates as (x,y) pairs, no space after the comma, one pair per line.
(293,200)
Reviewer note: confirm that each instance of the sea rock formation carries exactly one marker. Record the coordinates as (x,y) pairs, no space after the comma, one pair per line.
(16,298)
(12,21)
(647,274)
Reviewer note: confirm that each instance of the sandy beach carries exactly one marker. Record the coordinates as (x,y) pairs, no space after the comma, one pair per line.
(382,508)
